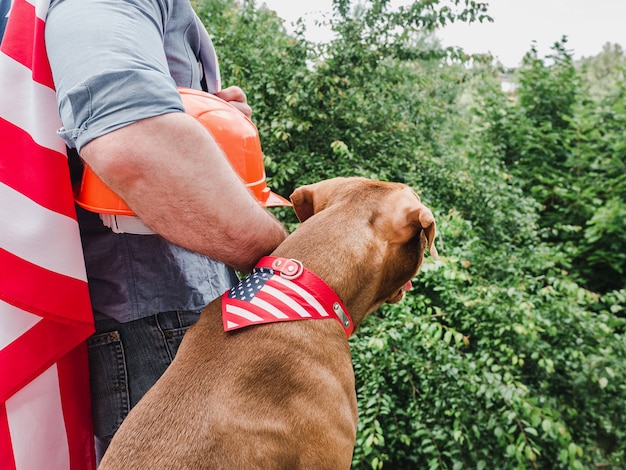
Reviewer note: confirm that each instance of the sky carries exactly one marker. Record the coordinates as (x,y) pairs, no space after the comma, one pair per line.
(588,24)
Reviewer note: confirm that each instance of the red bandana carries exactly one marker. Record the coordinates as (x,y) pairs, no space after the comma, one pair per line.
(280,289)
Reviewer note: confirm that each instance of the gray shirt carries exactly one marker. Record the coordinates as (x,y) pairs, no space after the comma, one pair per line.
(123,66)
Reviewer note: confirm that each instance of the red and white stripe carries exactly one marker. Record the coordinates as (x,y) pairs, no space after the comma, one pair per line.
(281,290)
(45,313)
(272,303)
(279,300)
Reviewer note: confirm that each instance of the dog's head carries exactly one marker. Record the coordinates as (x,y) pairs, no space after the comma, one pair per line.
(372,232)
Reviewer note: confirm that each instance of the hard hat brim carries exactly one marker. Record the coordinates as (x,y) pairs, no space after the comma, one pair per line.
(274,200)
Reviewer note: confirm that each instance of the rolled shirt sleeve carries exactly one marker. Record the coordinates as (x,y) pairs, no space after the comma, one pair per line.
(109,62)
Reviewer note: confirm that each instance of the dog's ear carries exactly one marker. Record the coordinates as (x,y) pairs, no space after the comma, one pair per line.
(312,198)
(302,200)
(429,227)
(421,218)
(408,218)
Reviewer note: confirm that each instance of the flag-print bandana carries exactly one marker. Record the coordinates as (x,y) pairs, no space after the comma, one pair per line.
(280,289)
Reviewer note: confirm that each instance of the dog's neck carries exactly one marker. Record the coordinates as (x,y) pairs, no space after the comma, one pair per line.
(351,272)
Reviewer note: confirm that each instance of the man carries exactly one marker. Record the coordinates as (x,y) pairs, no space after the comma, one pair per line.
(116,66)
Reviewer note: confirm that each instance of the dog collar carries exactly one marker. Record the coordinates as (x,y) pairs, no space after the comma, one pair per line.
(281,289)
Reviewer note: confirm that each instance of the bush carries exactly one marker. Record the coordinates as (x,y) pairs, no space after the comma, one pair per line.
(471,374)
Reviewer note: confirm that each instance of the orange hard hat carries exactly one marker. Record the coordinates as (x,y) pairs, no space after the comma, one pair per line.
(95,196)
(236,135)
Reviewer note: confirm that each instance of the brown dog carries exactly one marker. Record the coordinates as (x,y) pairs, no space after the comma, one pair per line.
(281,395)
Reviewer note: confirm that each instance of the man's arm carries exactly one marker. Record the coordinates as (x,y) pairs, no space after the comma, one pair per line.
(173,175)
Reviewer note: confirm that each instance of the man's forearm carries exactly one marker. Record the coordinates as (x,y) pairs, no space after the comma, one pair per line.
(173,175)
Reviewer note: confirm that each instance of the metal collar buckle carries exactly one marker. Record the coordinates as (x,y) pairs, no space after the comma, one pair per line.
(288,268)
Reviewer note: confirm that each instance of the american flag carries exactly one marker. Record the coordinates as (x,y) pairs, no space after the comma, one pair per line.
(265,297)
(45,313)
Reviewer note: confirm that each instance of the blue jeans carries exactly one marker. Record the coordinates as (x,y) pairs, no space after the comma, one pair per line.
(125,360)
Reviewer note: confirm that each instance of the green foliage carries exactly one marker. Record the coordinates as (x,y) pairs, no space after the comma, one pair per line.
(510,352)
(470,374)
(567,152)
(600,255)
(605,71)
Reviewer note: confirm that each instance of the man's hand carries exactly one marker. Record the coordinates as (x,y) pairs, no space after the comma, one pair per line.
(236,96)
